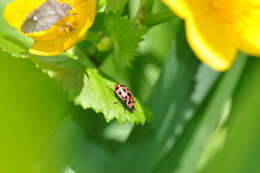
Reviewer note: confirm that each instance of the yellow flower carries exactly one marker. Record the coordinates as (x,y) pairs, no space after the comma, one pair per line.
(217,29)
(70,23)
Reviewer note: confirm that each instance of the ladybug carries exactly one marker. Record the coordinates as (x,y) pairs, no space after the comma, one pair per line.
(125,95)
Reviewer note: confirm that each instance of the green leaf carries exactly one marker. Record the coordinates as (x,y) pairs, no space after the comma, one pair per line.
(89,157)
(89,88)
(154,19)
(187,151)
(148,5)
(101,4)
(116,6)
(66,146)
(62,141)
(68,69)
(31,106)
(125,37)
(97,93)
(67,72)
(241,150)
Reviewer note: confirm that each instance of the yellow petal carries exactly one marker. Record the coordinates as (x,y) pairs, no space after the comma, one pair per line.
(16,12)
(62,35)
(178,7)
(86,18)
(248,28)
(212,40)
(47,47)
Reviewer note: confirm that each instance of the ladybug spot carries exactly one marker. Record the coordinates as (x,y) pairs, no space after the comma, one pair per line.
(116,88)
(124,90)
(129,95)
(120,92)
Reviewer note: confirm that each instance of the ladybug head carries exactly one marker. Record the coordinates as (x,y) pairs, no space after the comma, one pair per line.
(131,108)
(131,105)
(116,87)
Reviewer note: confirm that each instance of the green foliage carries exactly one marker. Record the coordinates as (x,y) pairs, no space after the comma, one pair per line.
(176,80)
(241,148)
(116,6)
(192,142)
(125,38)
(31,107)
(67,72)
(98,94)
(199,120)
(90,89)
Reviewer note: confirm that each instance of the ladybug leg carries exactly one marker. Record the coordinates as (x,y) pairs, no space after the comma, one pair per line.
(109,88)
(116,102)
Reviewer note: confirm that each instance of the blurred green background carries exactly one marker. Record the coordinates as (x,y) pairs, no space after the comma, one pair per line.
(204,121)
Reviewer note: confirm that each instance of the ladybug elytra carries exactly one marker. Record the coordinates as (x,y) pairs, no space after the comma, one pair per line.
(125,95)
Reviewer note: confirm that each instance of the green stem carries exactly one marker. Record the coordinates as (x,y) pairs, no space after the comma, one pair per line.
(148,6)
(158,18)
